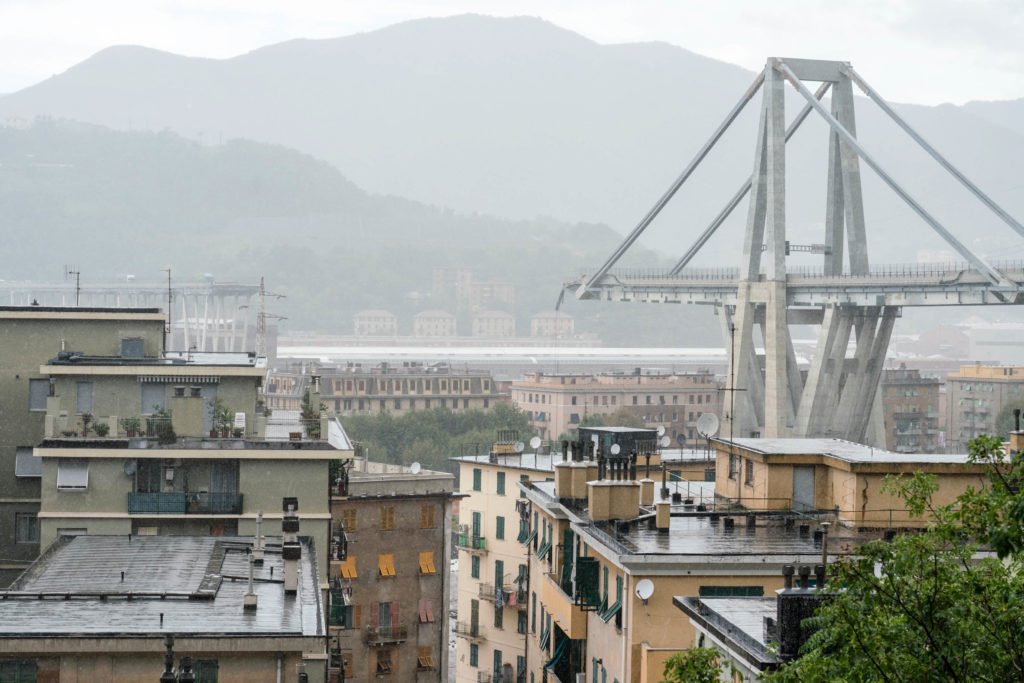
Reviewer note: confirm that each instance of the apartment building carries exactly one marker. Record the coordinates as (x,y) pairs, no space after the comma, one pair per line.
(552,324)
(492,607)
(557,403)
(494,324)
(910,404)
(354,389)
(974,396)
(96,609)
(375,323)
(29,337)
(434,324)
(389,577)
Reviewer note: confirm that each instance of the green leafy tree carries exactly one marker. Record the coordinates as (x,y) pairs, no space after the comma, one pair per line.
(928,606)
(696,665)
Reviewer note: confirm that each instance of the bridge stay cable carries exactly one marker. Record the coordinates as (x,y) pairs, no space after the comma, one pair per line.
(742,192)
(953,170)
(976,260)
(687,172)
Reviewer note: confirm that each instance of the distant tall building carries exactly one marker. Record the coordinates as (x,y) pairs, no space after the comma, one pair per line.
(974,397)
(910,404)
(556,404)
(389,563)
(552,324)
(434,324)
(375,323)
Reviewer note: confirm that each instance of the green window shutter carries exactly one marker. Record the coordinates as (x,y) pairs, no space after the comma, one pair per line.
(474,567)
(501,483)
(474,654)
(476,478)
(523,478)
(499,529)
(499,572)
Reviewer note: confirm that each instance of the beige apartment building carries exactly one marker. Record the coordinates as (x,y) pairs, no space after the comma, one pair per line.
(494,324)
(355,390)
(558,403)
(390,587)
(375,323)
(552,324)
(434,324)
(974,397)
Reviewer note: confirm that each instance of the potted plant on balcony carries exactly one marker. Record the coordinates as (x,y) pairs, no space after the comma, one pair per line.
(86,419)
(222,416)
(101,429)
(131,425)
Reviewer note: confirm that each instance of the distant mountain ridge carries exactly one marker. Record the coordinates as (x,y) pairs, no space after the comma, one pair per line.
(520,118)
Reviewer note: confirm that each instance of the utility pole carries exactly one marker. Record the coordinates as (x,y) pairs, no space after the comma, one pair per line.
(68,272)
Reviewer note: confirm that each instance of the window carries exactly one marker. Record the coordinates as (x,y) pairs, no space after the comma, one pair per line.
(501,483)
(424,658)
(427,562)
(346,664)
(521,625)
(499,618)
(38,391)
(499,528)
(206,670)
(26,528)
(386,564)
(476,478)
(18,670)
(387,518)
(533,613)
(749,479)
(497,665)
(474,654)
(573,400)
(427,517)
(83,397)
(72,474)
(474,567)
(348,568)
(348,519)
(525,478)
(426,611)
(383,661)
(574,418)
(26,464)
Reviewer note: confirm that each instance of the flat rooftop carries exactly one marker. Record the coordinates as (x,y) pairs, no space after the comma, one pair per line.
(740,620)
(196,583)
(847,451)
(169,358)
(545,462)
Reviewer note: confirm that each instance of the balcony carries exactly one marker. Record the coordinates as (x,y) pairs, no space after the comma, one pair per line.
(468,629)
(571,618)
(175,503)
(472,542)
(378,636)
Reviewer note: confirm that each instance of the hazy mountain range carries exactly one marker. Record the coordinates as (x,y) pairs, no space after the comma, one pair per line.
(512,118)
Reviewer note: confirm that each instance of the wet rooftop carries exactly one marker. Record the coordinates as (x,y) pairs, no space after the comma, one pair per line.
(843,450)
(196,583)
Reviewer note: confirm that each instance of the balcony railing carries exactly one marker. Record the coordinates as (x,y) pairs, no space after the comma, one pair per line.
(472,542)
(468,629)
(175,503)
(386,635)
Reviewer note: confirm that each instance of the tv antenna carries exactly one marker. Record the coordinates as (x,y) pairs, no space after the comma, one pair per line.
(68,272)
(170,297)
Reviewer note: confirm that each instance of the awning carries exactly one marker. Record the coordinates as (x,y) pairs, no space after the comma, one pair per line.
(26,464)
(72,473)
(559,651)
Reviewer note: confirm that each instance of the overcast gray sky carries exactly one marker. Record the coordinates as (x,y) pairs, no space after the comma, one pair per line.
(922,51)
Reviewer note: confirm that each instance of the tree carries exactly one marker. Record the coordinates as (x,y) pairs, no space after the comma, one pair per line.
(696,665)
(927,606)
(1004,420)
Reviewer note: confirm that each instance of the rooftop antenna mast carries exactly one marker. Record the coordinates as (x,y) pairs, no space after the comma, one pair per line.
(170,297)
(68,272)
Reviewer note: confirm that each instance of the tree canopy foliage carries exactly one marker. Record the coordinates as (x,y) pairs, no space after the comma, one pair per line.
(936,605)
(431,437)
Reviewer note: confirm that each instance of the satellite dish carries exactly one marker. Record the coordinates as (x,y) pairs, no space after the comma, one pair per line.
(535,442)
(129,467)
(665,441)
(415,468)
(519,446)
(615,449)
(644,589)
(681,438)
(661,430)
(707,425)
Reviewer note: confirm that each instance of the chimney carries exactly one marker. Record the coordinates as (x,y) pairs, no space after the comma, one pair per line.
(1016,436)
(795,604)
(291,551)
(662,515)
(647,492)
(249,601)
(259,544)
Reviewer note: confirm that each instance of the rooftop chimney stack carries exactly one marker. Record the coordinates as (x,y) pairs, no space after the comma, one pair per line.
(259,544)
(249,601)
(291,551)
(794,605)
